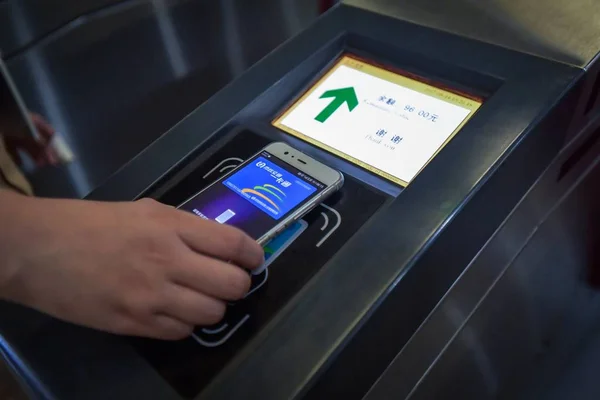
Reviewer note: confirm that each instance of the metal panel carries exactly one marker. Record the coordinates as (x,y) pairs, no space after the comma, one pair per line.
(555,29)
(115,80)
(25,22)
(507,336)
(518,301)
(364,305)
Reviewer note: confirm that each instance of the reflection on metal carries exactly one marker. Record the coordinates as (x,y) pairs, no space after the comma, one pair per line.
(23,32)
(565,31)
(112,76)
(46,22)
(517,302)
(290,13)
(233,46)
(471,340)
(50,97)
(534,309)
(169,38)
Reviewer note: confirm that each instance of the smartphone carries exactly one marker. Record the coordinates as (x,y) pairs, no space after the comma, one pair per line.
(267,193)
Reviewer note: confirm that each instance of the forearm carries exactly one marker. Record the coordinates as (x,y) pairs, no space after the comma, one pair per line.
(14,239)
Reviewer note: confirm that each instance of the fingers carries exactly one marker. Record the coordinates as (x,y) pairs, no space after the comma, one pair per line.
(46,155)
(212,277)
(191,307)
(156,326)
(183,309)
(220,241)
(52,156)
(40,153)
(166,327)
(44,128)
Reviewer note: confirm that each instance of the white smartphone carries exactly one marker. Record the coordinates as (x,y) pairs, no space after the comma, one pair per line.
(268,192)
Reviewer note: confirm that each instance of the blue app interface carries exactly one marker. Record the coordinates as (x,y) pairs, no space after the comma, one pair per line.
(269,187)
(255,196)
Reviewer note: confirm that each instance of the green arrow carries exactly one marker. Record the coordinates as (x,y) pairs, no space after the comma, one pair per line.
(340,96)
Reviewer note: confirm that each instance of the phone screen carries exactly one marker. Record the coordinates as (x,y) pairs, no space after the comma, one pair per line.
(256,196)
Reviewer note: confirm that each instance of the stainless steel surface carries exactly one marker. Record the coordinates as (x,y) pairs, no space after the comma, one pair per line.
(26,22)
(499,315)
(522,303)
(480,176)
(572,371)
(114,81)
(562,30)
(418,258)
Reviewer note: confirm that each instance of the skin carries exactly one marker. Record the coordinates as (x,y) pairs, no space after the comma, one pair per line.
(133,268)
(39,151)
(138,268)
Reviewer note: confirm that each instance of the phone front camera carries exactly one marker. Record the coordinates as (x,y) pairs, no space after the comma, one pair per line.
(286,153)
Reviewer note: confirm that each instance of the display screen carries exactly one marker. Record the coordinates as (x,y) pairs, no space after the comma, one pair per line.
(386,122)
(256,196)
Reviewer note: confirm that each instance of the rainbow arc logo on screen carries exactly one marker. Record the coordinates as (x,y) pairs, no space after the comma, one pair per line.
(267,192)
(270,187)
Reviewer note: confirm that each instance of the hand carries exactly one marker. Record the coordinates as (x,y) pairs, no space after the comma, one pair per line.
(39,151)
(138,268)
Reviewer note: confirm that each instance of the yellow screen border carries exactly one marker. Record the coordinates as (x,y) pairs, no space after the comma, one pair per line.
(397,77)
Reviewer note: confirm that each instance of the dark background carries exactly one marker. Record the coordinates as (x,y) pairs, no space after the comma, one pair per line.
(112,76)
